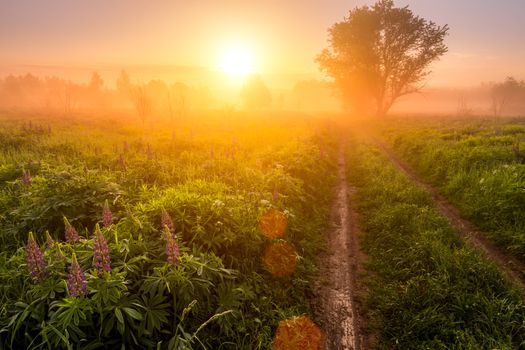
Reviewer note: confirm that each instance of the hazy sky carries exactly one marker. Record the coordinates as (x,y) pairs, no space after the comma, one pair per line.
(486,41)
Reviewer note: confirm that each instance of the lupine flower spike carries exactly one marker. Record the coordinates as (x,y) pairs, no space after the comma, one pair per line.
(165,220)
(26,177)
(101,259)
(71,233)
(107,215)
(50,242)
(76,280)
(172,248)
(35,260)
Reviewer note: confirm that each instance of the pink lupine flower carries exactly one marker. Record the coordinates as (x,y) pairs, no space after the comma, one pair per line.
(50,242)
(275,195)
(172,248)
(26,177)
(101,259)
(165,220)
(71,233)
(107,215)
(35,259)
(76,280)
(149,152)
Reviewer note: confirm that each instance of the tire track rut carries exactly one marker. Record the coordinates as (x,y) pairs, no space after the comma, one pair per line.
(337,308)
(510,265)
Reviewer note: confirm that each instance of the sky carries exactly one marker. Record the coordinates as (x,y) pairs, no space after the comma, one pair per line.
(485,41)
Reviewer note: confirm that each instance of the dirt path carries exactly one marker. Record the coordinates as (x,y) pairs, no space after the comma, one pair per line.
(337,309)
(514,268)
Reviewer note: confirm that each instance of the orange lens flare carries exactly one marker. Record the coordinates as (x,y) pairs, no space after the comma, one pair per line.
(280,259)
(297,333)
(273,224)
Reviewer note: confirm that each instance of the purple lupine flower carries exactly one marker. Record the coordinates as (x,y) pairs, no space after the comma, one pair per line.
(149,152)
(101,259)
(26,177)
(76,280)
(35,259)
(122,162)
(275,195)
(107,215)
(50,242)
(166,221)
(71,233)
(172,248)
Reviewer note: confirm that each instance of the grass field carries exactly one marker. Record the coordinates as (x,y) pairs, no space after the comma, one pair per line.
(478,164)
(205,233)
(427,289)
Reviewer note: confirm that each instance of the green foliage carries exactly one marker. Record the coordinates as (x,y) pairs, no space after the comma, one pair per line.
(218,294)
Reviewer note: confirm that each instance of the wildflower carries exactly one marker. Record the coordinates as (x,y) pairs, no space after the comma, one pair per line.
(26,177)
(149,152)
(76,280)
(50,242)
(101,259)
(126,147)
(71,233)
(107,216)
(172,248)
(166,221)
(35,260)
(275,195)
(122,162)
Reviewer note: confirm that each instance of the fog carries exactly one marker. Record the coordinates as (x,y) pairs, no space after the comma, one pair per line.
(171,92)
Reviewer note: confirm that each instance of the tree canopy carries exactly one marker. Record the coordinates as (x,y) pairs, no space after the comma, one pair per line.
(380,53)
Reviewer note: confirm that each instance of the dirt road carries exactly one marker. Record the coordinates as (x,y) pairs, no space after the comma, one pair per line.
(337,308)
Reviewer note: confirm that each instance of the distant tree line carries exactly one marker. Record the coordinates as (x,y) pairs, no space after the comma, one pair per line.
(507,97)
(53,94)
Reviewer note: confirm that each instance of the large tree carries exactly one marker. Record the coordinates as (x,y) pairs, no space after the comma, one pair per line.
(380,53)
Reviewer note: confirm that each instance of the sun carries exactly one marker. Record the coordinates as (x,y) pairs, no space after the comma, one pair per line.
(236,61)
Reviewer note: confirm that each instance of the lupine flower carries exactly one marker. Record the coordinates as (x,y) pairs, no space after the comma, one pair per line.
(149,152)
(71,233)
(172,248)
(35,259)
(76,280)
(101,259)
(126,147)
(275,195)
(107,215)
(165,220)
(50,242)
(122,162)
(26,177)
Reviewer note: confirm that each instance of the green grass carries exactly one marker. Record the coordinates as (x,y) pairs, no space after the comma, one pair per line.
(477,164)
(427,290)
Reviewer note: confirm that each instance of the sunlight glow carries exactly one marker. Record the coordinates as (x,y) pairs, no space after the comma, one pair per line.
(236,61)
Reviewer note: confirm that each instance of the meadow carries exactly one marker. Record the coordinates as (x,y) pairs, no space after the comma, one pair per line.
(206,232)
(200,234)
(427,289)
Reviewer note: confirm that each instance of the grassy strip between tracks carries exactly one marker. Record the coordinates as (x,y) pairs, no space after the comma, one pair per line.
(427,289)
